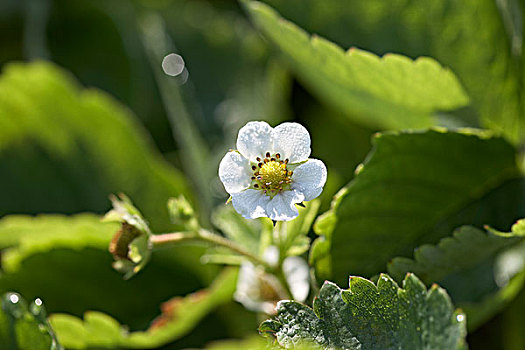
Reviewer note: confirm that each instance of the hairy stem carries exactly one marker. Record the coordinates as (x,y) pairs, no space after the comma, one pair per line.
(210,237)
(279,237)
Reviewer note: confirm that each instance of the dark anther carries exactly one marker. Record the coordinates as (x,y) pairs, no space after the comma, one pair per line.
(253,177)
(267,154)
(258,159)
(265,160)
(277,156)
(260,164)
(254,167)
(255,185)
(286,161)
(273,159)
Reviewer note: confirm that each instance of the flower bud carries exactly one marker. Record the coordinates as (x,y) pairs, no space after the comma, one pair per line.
(130,245)
(182,213)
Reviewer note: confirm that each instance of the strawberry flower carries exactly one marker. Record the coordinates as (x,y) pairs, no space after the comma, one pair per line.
(270,172)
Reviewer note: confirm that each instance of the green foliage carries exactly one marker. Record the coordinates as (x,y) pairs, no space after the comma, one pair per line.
(254,235)
(410,64)
(257,235)
(467,247)
(26,236)
(295,240)
(455,257)
(480,41)
(369,316)
(179,316)
(25,327)
(407,185)
(58,258)
(65,149)
(391,92)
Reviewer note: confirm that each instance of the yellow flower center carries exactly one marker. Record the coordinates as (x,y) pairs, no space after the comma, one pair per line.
(271,174)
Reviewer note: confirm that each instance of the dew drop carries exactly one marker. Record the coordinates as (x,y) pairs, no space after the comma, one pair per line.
(14,305)
(460,318)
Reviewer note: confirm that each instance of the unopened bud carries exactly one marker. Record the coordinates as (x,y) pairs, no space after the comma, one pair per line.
(119,245)
(182,213)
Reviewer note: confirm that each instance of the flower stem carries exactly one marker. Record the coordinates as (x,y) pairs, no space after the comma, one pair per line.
(210,237)
(280,236)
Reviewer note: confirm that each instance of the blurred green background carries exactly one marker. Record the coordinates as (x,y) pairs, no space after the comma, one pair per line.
(104,117)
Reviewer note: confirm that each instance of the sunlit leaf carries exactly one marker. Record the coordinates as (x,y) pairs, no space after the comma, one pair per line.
(370,316)
(179,316)
(409,183)
(65,260)
(391,92)
(486,58)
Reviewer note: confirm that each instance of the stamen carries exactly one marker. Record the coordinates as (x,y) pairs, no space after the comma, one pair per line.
(254,167)
(272,176)
(253,177)
(258,159)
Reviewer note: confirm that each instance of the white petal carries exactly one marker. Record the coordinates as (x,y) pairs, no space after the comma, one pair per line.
(235,172)
(297,275)
(247,291)
(292,141)
(254,140)
(309,178)
(282,206)
(251,204)
(271,255)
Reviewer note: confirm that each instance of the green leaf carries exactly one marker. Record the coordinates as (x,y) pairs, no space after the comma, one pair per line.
(25,327)
(369,316)
(454,258)
(179,316)
(391,92)
(57,258)
(407,185)
(467,247)
(65,149)
(487,59)
(254,343)
(25,236)
(296,241)
(253,235)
